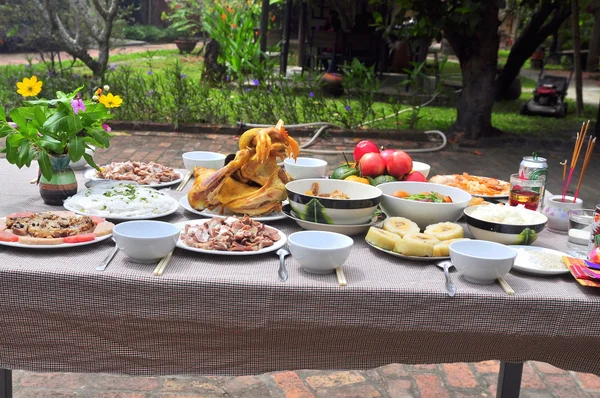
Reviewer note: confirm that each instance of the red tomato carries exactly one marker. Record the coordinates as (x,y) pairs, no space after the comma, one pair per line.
(371,165)
(398,164)
(8,237)
(22,214)
(97,220)
(387,152)
(415,176)
(364,147)
(79,238)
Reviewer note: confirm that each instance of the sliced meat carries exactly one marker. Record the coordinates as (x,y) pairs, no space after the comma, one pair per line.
(104,228)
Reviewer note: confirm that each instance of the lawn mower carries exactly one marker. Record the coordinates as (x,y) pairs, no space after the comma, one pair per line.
(548,96)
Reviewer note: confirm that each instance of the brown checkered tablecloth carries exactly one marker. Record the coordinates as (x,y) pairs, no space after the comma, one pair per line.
(214,314)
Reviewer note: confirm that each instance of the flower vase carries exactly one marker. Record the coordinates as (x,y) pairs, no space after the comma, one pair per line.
(62,184)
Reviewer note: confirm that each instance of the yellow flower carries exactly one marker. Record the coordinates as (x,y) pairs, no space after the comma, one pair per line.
(29,87)
(110,101)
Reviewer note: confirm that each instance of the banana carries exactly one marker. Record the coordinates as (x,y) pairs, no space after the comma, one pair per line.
(381,238)
(445,231)
(401,226)
(420,245)
(441,249)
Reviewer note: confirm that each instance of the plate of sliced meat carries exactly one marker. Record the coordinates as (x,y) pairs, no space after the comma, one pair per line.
(229,236)
(151,174)
(52,230)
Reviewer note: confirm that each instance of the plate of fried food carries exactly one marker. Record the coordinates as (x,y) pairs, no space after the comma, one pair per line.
(52,230)
(485,187)
(402,238)
(229,236)
(151,174)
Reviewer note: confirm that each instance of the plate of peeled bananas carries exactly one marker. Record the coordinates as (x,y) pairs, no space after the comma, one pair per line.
(403,238)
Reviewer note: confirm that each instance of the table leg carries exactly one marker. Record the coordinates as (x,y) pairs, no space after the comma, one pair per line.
(5,383)
(509,380)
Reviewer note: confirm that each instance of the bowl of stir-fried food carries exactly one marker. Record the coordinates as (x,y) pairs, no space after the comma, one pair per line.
(423,202)
(336,202)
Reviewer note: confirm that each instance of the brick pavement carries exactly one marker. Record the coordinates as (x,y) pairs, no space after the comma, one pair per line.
(394,380)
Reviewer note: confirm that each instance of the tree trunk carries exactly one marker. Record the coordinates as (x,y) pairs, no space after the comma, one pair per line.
(478,56)
(532,36)
(594,53)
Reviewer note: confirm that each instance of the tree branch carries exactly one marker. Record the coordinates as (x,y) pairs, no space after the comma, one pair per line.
(101,10)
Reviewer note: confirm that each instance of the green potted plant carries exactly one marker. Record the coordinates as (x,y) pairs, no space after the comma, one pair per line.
(56,132)
(184,16)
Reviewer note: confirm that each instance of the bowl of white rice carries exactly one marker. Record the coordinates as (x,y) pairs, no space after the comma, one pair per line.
(505,224)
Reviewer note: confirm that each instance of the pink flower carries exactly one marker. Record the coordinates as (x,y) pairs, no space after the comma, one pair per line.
(106,127)
(13,125)
(77,105)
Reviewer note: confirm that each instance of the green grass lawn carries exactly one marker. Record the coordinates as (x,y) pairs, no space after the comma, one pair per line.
(506,115)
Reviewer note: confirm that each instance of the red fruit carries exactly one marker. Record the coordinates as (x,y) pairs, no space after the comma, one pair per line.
(8,236)
(79,238)
(364,147)
(398,164)
(371,165)
(415,176)
(387,152)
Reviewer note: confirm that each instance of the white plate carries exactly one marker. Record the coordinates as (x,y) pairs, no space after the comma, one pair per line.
(61,246)
(98,189)
(412,258)
(215,213)
(523,262)
(91,175)
(348,230)
(181,225)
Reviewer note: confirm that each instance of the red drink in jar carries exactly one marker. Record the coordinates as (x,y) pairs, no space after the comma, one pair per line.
(529,199)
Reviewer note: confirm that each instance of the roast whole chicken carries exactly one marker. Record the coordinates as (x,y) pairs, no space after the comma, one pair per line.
(252,183)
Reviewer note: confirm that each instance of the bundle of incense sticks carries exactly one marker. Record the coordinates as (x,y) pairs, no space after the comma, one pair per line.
(576,150)
(586,162)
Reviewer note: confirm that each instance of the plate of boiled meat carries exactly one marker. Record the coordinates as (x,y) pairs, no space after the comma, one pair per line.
(151,174)
(229,236)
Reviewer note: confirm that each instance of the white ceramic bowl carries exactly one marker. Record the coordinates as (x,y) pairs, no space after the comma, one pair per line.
(146,241)
(506,234)
(557,211)
(305,168)
(422,168)
(81,163)
(481,261)
(210,160)
(423,213)
(320,252)
(357,210)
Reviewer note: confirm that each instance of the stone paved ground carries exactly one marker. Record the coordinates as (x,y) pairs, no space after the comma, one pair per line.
(394,380)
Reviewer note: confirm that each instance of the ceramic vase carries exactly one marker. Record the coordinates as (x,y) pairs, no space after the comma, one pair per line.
(62,184)
(557,211)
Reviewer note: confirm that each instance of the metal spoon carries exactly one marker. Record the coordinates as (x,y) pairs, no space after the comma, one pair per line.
(282,272)
(450,286)
(108,259)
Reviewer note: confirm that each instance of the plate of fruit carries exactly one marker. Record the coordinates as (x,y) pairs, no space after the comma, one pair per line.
(403,238)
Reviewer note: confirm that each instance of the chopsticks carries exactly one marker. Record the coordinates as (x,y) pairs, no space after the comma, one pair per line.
(505,286)
(339,272)
(184,182)
(576,151)
(586,161)
(162,264)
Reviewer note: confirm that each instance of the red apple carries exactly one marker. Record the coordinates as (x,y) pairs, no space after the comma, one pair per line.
(387,152)
(364,147)
(398,164)
(415,176)
(371,165)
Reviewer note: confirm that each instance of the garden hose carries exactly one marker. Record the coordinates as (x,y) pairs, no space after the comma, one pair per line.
(325,125)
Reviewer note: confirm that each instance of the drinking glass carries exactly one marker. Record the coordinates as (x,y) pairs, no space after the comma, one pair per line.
(580,226)
(525,192)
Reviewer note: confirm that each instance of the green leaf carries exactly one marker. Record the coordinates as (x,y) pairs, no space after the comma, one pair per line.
(39,115)
(76,148)
(18,118)
(88,158)
(23,154)
(51,144)
(59,122)
(15,139)
(2,114)
(45,165)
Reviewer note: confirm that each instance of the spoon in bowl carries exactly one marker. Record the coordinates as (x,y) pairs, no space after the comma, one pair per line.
(450,286)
